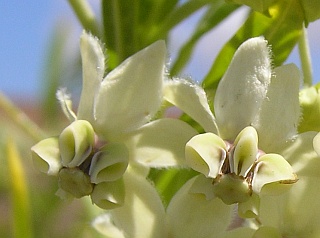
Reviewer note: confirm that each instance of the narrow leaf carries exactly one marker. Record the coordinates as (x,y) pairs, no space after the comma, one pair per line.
(218,11)
(282,38)
(21,223)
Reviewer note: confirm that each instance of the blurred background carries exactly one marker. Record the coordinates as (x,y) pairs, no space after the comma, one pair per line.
(39,46)
(28,28)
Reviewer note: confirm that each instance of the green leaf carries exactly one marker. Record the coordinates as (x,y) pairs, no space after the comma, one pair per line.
(309,8)
(85,15)
(53,73)
(282,30)
(218,11)
(160,10)
(257,5)
(119,21)
(169,181)
(179,14)
(22,221)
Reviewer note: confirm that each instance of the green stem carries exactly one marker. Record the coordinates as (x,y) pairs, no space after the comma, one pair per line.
(305,58)
(135,40)
(118,30)
(21,119)
(85,15)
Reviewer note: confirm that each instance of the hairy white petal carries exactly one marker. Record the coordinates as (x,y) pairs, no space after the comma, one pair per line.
(243,87)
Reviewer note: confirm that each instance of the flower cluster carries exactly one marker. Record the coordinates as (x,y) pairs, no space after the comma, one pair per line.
(91,155)
(249,157)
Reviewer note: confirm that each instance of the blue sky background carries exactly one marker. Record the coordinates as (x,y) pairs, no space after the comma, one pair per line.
(26,28)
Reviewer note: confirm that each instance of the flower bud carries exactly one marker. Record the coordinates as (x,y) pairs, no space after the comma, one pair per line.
(46,156)
(310,102)
(76,142)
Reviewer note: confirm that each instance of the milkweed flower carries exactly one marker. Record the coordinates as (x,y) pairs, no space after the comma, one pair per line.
(238,158)
(278,215)
(244,152)
(113,128)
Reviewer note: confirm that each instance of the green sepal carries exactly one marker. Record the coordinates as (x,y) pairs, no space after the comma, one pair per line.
(231,189)
(75,182)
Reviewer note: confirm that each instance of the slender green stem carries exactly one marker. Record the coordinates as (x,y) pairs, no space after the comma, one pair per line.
(305,58)
(85,15)
(135,40)
(118,30)
(21,119)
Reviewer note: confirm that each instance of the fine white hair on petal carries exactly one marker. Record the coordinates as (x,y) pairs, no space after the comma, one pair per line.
(191,99)
(243,87)
(64,99)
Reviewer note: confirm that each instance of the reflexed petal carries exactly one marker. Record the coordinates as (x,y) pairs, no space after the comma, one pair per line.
(109,163)
(131,94)
(206,154)
(160,143)
(301,201)
(191,99)
(250,208)
(245,151)
(316,143)
(64,195)
(302,156)
(93,69)
(76,142)
(272,168)
(243,88)
(272,209)
(109,195)
(46,156)
(267,232)
(280,112)
(142,215)
(105,225)
(241,232)
(202,185)
(191,215)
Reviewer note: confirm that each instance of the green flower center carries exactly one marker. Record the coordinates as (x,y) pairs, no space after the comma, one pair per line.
(230,185)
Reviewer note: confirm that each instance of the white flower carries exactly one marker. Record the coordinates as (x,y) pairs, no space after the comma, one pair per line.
(121,104)
(113,126)
(255,124)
